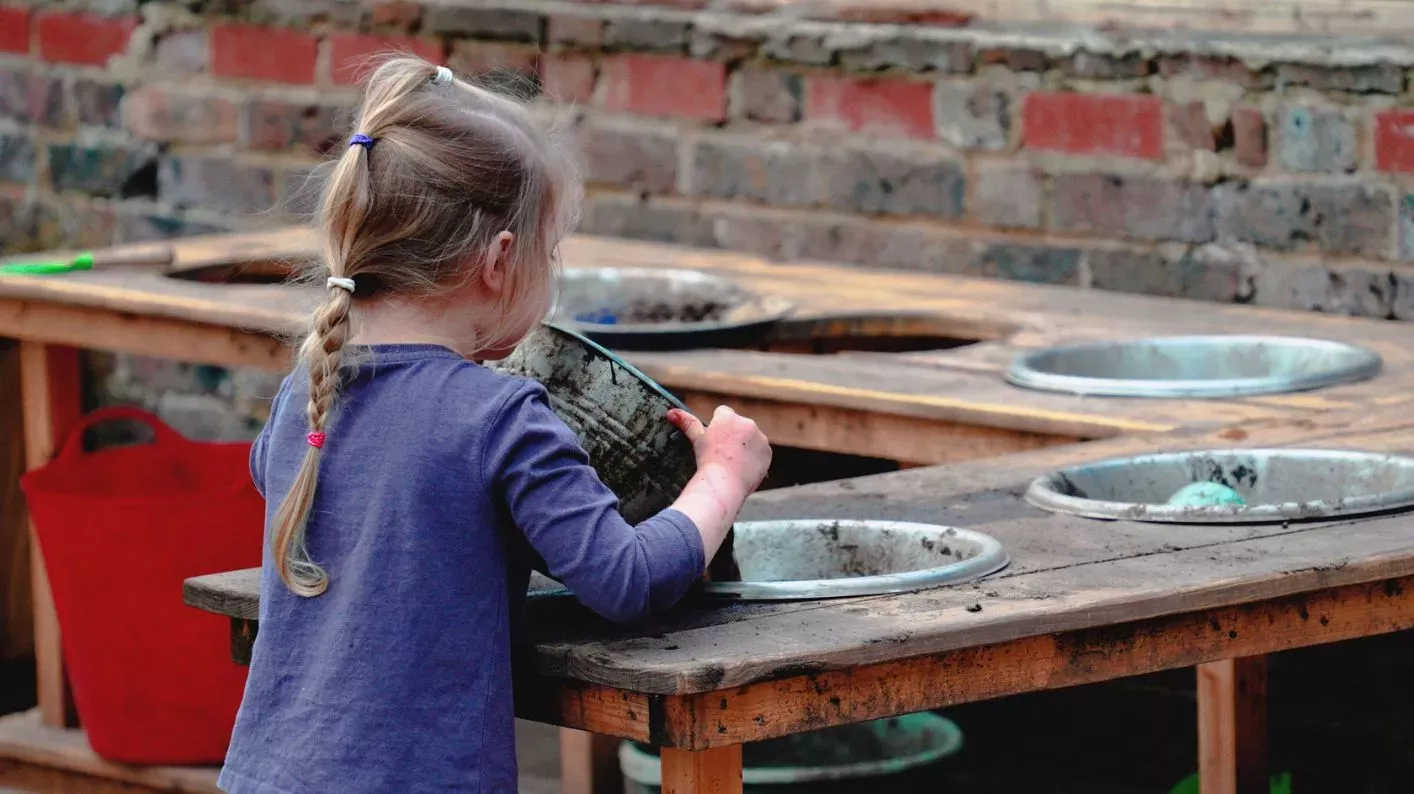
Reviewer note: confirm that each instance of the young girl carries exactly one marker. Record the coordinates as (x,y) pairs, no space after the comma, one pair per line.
(409,487)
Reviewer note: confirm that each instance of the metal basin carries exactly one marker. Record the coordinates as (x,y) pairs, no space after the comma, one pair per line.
(660,309)
(1275,484)
(615,411)
(825,558)
(1194,366)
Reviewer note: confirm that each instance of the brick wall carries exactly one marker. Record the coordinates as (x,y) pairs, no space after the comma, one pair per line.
(1270,171)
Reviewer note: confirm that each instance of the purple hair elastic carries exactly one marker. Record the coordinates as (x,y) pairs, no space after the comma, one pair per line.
(359,139)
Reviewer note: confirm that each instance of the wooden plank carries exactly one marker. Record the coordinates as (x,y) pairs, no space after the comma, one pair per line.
(714,771)
(851,431)
(1232,726)
(815,700)
(142,335)
(36,757)
(16,603)
(589,763)
(51,401)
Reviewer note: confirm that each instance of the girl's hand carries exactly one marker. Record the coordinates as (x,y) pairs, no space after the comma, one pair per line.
(732,458)
(732,442)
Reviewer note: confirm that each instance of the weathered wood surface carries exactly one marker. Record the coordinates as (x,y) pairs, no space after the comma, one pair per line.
(1067,575)
(139,309)
(36,757)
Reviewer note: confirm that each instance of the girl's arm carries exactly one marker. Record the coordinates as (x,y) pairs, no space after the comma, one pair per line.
(571,518)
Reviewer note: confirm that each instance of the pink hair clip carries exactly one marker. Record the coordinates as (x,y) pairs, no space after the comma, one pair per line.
(316,440)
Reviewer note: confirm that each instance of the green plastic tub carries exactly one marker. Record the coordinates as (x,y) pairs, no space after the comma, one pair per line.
(844,759)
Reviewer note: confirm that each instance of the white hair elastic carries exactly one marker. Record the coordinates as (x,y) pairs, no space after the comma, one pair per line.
(443,77)
(346,284)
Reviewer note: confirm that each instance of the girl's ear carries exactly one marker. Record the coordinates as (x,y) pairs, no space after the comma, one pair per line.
(498,256)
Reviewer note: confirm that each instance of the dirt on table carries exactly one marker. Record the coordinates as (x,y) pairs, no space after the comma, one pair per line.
(658,311)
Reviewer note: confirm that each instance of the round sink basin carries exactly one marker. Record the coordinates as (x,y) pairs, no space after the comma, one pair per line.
(1194,366)
(825,558)
(659,309)
(1274,484)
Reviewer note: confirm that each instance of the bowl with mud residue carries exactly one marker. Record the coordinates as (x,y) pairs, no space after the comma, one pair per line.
(837,558)
(1251,486)
(616,412)
(663,309)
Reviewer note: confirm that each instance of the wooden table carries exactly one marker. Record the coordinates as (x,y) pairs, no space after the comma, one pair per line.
(1083,601)
(919,408)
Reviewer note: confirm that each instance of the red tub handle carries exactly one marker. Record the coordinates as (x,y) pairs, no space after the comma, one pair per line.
(162,434)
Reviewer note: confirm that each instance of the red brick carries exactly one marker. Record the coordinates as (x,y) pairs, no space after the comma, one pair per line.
(1190,121)
(161,114)
(1249,136)
(84,39)
(270,54)
(873,107)
(351,55)
(568,78)
(1394,141)
(1123,126)
(660,85)
(14,29)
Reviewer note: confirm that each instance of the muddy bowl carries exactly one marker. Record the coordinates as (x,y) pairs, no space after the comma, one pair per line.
(615,411)
(663,308)
(801,559)
(1275,485)
(1194,366)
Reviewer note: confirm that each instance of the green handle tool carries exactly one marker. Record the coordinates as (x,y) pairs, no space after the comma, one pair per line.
(83,261)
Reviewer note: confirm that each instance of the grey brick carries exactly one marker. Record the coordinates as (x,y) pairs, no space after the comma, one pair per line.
(873,181)
(971,117)
(646,33)
(1193,275)
(153,223)
(1354,291)
(1041,264)
(29,97)
(1007,195)
(98,104)
(623,216)
(1314,139)
(799,48)
(766,95)
(39,224)
(767,234)
(1341,218)
(277,125)
(576,30)
(630,155)
(494,23)
(1405,231)
(776,172)
(910,54)
(103,169)
(218,184)
(1381,78)
(183,52)
(18,158)
(1145,208)
(301,13)
(1091,66)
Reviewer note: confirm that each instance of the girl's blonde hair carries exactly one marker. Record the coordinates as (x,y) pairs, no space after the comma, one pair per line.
(449,167)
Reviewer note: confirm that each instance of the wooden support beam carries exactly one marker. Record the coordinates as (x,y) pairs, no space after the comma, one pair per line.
(1232,726)
(51,403)
(589,763)
(714,771)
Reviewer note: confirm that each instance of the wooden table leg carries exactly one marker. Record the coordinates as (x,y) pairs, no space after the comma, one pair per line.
(1232,726)
(715,771)
(51,402)
(589,763)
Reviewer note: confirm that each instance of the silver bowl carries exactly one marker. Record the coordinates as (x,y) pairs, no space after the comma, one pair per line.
(1276,485)
(663,309)
(1194,366)
(829,558)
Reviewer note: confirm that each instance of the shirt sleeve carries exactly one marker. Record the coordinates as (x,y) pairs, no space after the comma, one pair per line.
(257,449)
(572,521)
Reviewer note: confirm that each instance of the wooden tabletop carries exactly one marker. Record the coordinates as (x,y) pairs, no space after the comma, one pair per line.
(1067,573)
(162,315)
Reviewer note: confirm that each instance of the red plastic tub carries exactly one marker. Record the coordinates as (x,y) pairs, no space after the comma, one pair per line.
(120,529)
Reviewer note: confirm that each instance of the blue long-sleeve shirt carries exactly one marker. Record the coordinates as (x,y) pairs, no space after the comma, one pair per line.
(440,482)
